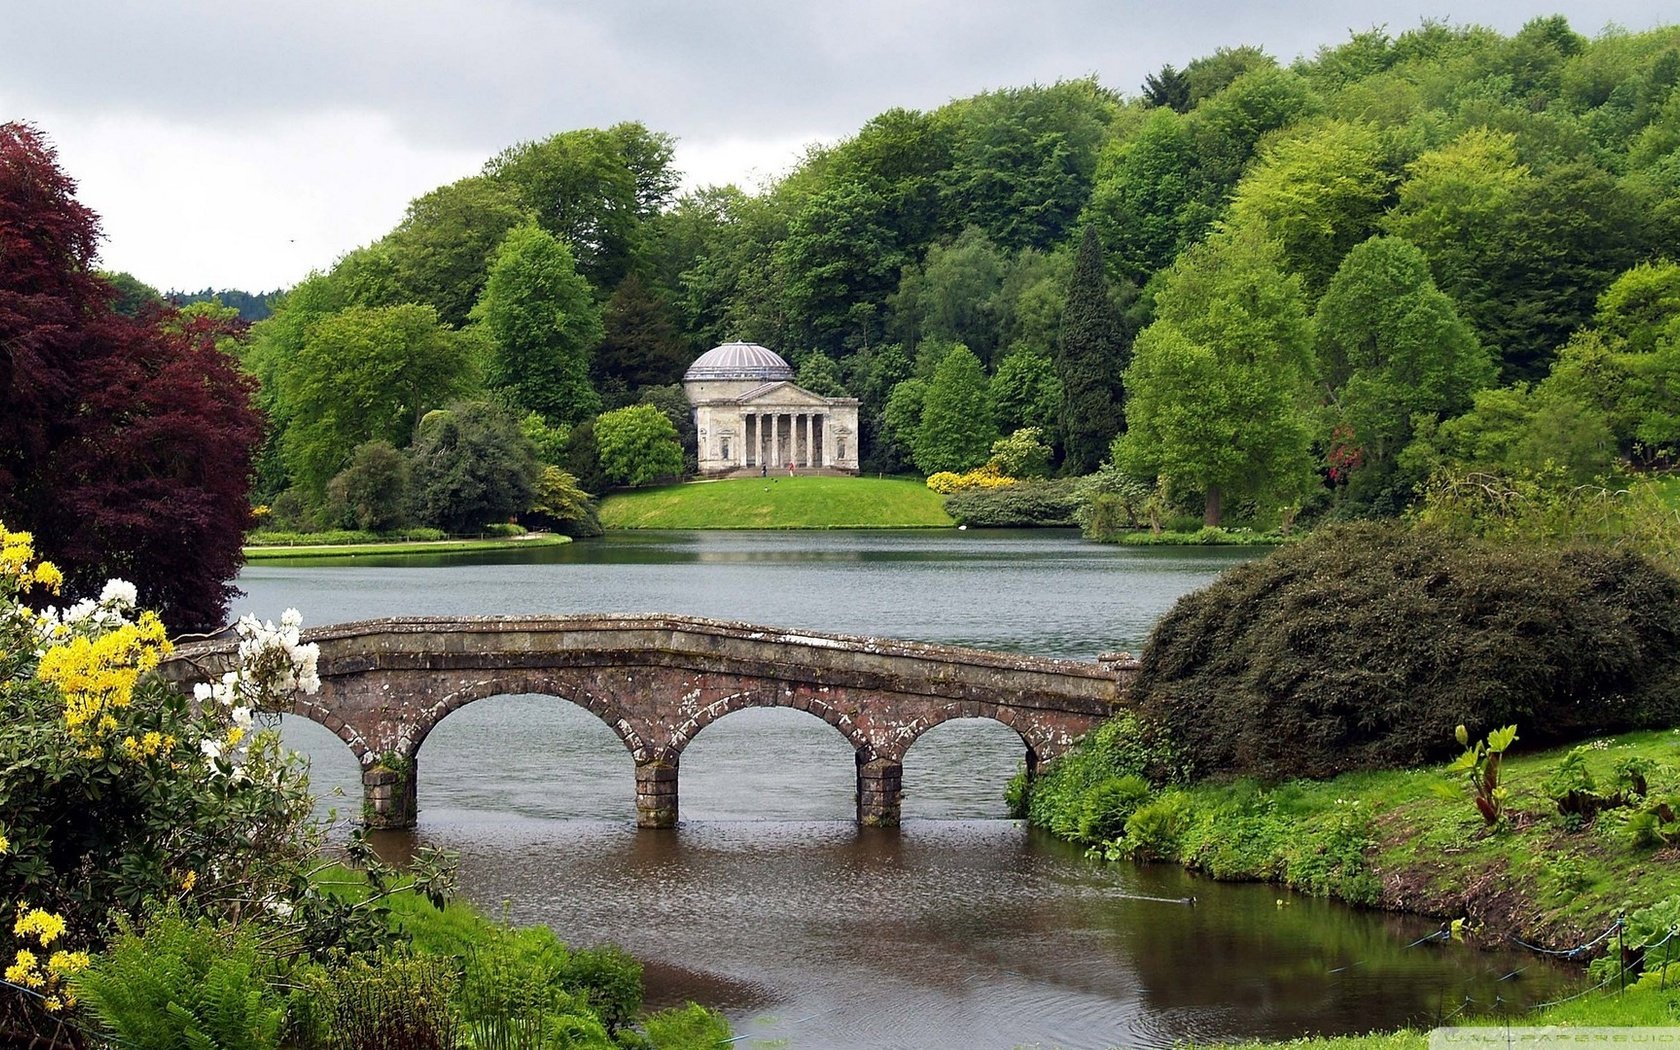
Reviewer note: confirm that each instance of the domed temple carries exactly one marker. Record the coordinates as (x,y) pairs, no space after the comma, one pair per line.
(750,416)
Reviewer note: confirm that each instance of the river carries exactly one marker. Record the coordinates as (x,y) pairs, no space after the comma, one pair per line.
(960,929)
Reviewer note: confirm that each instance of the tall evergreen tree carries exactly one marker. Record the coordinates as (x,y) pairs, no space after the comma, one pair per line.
(1091,354)
(1170,87)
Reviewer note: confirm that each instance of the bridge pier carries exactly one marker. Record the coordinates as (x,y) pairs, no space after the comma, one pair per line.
(880,791)
(389,802)
(656,793)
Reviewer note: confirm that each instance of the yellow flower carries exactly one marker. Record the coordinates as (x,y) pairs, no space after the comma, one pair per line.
(62,964)
(48,576)
(23,971)
(234,735)
(5,844)
(45,925)
(188,881)
(53,1004)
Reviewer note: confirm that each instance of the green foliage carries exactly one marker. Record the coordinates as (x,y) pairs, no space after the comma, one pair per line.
(1219,382)
(542,318)
(639,342)
(820,375)
(1091,355)
(1391,348)
(955,431)
(1155,829)
(399,1000)
(372,493)
(1109,805)
(1108,502)
(282,538)
(637,444)
(559,503)
(1025,392)
(180,985)
(441,251)
(1122,748)
(691,1027)
(364,374)
(1480,764)
(1023,454)
(1030,504)
(803,502)
(471,465)
(1341,652)
(1317,193)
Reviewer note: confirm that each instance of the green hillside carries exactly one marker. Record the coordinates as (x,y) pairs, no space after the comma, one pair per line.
(779,503)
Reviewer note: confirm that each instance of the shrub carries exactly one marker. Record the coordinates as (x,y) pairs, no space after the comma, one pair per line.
(946,482)
(688,1027)
(503,529)
(1354,648)
(1154,829)
(1109,805)
(1029,504)
(1023,454)
(1122,747)
(637,445)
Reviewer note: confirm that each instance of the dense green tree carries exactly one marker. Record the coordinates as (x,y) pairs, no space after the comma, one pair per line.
(953,295)
(1169,87)
(372,492)
(363,374)
(1516,430)
(1391,348)
(956,429)
(671,400)
(134,297)
(1023,160)
(1317,194)
(471,466)
(820,375)
(841,258)
(901,421)
(561,504)
(442,249)
(1219,383)
(592,189)
(1454,204)
(639,345)
(637,444)
(1030,302)
(1207,76)
(902,155)
(1025,392)
(545,326)
(1228,127)
(1151,198)
(582,457)
(1091,357)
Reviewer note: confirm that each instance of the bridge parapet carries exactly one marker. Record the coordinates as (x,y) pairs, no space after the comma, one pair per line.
(659,680)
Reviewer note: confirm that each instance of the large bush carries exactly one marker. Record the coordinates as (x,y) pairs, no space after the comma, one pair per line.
(1365,645)
(1028,504)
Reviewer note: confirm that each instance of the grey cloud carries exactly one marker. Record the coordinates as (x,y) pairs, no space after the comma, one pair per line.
(462,74)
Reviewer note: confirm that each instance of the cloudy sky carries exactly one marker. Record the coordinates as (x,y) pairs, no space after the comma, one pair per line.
(239,144)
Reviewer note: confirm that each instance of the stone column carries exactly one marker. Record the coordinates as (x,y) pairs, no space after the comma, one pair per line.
(775,441)
(810,455)
(880,790)
(822,440)
(656,793)
(388,798)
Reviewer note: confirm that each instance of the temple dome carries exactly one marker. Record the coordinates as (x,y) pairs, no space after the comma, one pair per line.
(733,361)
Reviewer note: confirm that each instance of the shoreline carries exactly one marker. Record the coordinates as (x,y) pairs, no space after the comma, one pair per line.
(401,547)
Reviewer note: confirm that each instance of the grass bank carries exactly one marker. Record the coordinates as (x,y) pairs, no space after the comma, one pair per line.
(1391,838)
(1411,840)
(779,503)
(352,550)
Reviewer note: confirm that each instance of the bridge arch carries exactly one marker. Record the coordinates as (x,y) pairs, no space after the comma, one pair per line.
(570,688)
(908,734)
(764,693)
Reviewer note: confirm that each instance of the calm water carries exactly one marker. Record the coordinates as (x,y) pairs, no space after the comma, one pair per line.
(961,929)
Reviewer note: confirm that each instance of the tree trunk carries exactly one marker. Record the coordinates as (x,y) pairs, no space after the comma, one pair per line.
(1214,508)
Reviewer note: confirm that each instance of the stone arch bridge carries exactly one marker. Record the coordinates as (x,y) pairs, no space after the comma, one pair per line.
(659,680)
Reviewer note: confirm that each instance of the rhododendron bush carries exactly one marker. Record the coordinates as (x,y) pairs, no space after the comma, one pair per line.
(120,793)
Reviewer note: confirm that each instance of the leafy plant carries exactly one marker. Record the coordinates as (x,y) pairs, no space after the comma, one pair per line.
(1110,805)
(1480,763)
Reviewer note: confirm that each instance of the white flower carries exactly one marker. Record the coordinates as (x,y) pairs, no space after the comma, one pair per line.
(119,594)
(291,618)
(242,717)
(203,691)
(211,747)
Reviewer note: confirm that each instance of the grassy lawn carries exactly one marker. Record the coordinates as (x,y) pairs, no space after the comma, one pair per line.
(352,550)
(779,503)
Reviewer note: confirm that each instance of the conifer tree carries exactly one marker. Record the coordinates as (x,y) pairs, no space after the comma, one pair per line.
(1090,356)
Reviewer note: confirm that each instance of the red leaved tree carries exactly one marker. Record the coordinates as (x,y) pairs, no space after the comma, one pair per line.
(125,444)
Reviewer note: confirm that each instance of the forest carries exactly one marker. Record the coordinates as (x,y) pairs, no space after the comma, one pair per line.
(1256,287)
